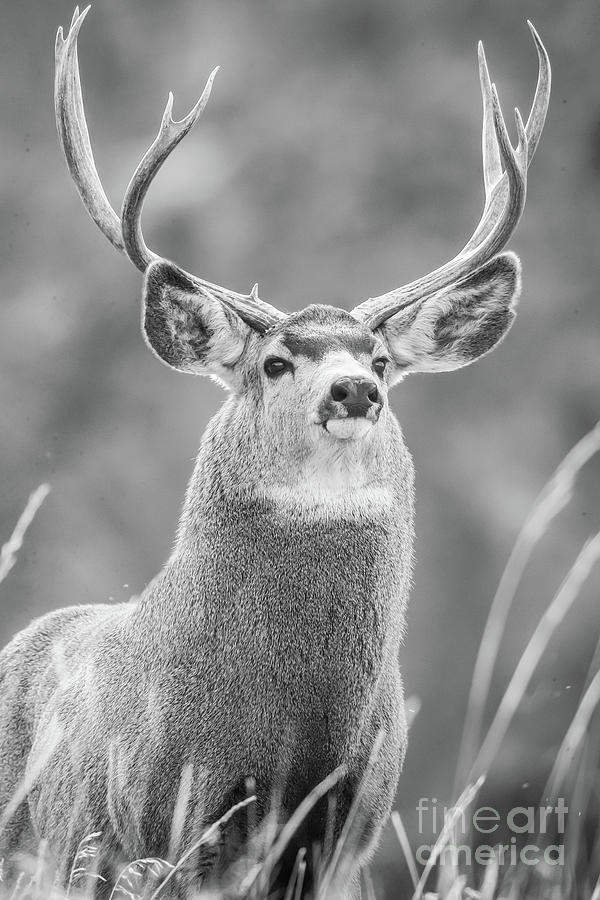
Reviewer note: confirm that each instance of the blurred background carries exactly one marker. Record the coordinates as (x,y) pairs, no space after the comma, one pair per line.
(339,157)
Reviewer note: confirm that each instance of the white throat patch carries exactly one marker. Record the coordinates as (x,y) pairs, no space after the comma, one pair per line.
(336,480)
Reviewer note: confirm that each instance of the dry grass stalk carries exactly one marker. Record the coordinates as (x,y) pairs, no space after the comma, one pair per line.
(8,553)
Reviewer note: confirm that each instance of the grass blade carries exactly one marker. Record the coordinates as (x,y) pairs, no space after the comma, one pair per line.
(552,499)
(553,616)
(205,838)
(398,826)
(573,738)
(456,813)
(8,554)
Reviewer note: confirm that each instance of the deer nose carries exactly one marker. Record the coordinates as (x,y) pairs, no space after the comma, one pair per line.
(357,394)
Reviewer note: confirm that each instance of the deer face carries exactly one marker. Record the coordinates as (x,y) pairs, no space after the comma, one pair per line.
(328,371)
(320,378)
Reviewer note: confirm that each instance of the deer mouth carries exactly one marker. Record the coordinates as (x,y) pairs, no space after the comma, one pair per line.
(351,428)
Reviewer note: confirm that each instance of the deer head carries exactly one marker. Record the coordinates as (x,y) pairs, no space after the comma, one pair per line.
(323,374)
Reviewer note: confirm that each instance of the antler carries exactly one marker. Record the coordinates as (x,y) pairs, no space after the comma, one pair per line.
(125,232)
(505,180)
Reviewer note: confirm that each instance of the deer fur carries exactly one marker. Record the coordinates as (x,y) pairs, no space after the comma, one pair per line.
(268,647)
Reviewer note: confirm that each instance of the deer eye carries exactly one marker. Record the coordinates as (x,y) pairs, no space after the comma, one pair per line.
(274,366)
(380,365)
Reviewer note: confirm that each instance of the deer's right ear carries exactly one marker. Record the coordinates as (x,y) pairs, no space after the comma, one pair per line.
(188,328)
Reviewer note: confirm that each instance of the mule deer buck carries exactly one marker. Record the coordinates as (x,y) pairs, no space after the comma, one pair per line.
(267,648)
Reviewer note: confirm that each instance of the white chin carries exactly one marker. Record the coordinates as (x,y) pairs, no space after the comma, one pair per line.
(352,429)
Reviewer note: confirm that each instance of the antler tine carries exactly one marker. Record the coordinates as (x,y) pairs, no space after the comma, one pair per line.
(73,133)
(76,87)
(541,100)
(496,193)
(249,307)
(169,135)
(492,165)
(254,311)
(376,310)
(505,194)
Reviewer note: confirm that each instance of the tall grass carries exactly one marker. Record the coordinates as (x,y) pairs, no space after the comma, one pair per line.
(571,767)
(575,769)
(553,498)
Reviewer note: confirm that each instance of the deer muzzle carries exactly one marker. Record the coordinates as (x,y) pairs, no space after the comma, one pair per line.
(352,407)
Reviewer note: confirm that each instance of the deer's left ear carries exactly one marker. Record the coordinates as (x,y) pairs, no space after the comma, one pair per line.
(459,324)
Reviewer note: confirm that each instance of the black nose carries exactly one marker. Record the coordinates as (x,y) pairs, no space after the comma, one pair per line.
(357,394)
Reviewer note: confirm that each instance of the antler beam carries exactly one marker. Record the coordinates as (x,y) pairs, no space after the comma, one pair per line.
(494,200)
(125,232)
(505,180)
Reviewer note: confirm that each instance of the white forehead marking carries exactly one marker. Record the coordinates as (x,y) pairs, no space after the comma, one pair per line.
(337,364)
(345,362)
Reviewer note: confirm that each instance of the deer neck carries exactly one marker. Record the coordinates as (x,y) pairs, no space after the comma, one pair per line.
(256,523)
